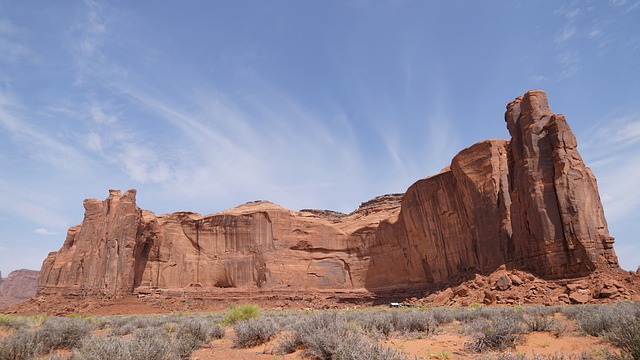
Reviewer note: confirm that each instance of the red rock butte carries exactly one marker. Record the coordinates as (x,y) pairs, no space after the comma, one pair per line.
(529,203)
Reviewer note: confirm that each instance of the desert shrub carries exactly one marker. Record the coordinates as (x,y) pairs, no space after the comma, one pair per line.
(184,344)
(362,348)
(464,315)
(238,313)
(471,314)
(200,328)
(376,323)
(323,334)
(327,335)
(534,356)
(539,322)
(124,325)
(625,334)
(103,347)
(595,320)
(64,333)
(254,332)
(542,310)
(57,356)
(284,320)
(407,321)
(287,343)
(18,345)
(499,332)
(13,322)
(151,343)
(37,319)
(442,315)
(382,322)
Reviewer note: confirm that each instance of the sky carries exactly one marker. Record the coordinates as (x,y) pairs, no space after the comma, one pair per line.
(205,105)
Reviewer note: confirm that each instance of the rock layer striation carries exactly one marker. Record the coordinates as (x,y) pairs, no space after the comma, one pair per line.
(529,203)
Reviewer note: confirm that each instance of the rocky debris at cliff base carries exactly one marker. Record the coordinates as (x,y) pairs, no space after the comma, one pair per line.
(516,287)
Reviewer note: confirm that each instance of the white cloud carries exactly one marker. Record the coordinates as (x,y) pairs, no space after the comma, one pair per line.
(570,62)
(26,205)
(99,115)
(14,117)
(594,33)
(93,141)
(43,231)
(539,78)
(569,11)
(87,40)
(612,149)
(143,164)
(266,144)
(567,33)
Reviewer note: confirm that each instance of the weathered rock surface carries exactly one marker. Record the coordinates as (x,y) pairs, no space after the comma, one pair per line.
(18,286)
(529,203)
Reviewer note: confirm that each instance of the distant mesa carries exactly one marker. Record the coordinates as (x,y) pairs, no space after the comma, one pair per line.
(20,285)
(529,204)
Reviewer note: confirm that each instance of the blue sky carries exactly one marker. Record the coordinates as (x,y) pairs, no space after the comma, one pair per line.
(204,105)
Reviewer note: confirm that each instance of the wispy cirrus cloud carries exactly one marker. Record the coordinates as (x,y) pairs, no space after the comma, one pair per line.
(270,144)
(566,34)
(36,140)
(612,149)
(47,232)
(32,205)
(87,39)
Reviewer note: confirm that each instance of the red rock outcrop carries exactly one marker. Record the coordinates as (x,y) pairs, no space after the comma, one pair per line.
(18,286)
(529,203)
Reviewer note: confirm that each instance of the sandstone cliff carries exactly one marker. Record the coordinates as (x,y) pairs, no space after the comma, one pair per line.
(529,203)
(18,286)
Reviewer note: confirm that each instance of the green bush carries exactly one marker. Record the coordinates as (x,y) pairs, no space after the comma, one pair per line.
(238,313)
(11,322)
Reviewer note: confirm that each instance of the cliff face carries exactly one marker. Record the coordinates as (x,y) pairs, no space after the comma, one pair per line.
(98,256)
(19,285)
(529,203)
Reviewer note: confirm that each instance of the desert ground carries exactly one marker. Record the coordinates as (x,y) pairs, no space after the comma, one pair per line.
(131,329)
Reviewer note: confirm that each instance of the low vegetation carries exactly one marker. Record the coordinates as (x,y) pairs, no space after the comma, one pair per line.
(493,332)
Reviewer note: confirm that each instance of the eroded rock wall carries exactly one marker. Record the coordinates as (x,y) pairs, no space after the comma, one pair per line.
(20,284)
(530,203)
(97,257)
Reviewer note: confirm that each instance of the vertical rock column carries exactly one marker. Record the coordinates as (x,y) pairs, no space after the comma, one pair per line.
(97,257)
(559,229)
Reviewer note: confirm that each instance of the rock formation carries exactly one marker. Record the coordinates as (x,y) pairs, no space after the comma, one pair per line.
(530,204)
(18,286)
